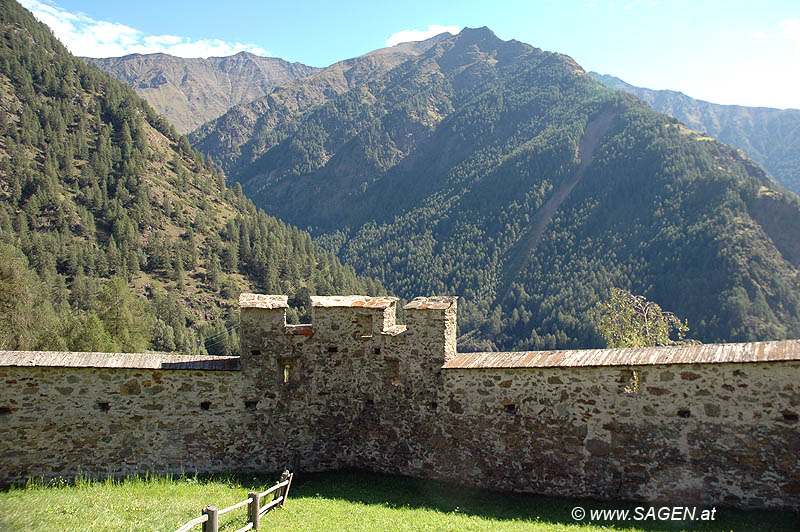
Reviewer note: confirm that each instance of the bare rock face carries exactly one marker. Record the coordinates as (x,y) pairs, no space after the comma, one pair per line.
(190,92)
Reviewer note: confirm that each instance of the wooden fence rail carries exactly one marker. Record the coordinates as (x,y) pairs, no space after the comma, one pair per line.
(210,517)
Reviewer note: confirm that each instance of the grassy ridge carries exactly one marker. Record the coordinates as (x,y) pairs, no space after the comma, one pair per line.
(353,501)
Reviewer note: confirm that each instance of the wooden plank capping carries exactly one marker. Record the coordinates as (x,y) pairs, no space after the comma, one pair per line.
(163,361)
(749,352)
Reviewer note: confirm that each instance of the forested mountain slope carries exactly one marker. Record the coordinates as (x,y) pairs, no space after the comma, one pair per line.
(507,175)
(241,134)
(190,92)
(771,137)
(114,233)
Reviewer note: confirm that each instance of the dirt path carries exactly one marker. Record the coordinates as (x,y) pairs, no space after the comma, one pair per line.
(521,254)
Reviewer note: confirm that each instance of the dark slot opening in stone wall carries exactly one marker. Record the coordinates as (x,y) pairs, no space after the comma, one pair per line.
(205,405)
(510,408)
(250,405)
(255,352)
(790,417)
(288,368)
(630,381)
(333,349)
(103,406)
(4,411)
(684,413)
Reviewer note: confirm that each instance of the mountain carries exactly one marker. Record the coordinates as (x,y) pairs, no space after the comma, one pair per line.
(114,233)
(771,137)
(241,134)
(189,92)
(507,175)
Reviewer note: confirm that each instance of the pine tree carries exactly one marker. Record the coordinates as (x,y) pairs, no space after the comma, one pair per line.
(213,274)
(123,316)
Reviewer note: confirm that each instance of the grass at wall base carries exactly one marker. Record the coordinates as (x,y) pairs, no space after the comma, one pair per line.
(340,501)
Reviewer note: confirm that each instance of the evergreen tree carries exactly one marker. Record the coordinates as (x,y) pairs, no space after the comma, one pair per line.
(123,316)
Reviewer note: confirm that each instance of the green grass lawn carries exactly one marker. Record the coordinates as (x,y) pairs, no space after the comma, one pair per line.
(346,501)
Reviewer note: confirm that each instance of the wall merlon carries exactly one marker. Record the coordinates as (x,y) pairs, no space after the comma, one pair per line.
(432,322)
(432,303)
(263,301)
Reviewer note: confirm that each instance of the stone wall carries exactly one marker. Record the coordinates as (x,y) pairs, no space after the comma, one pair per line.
(113,415)
(722,434)
(692,425)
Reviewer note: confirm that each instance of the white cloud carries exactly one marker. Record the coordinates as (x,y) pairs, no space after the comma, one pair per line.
(85,36)
(420,35)
(788,30)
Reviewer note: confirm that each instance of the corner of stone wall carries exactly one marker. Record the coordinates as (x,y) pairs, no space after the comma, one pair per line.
(431,323)
(262,322)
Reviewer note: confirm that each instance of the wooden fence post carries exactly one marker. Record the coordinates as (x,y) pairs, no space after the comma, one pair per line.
(212,525)
(285,491)
(253,509)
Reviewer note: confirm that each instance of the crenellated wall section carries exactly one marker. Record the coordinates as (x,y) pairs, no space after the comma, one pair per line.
(712,424)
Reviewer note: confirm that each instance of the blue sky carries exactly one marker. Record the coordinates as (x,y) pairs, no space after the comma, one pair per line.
(732,52)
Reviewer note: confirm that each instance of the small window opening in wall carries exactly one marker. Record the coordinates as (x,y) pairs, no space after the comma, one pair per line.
(510,408)
(288,368)
(433,405)
(376,351)
(250,405)
(684,413)
(103,407)
(630,380)
(333,349)
(256,352)
(788,417)
(205,405)
(370,402)
(4,411)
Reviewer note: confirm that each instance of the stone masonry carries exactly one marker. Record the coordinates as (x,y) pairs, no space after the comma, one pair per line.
(712,424)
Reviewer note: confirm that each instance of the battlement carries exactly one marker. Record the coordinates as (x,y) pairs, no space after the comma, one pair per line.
(370,315)
(350,322)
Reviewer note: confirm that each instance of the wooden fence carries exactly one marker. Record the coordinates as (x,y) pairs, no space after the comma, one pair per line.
(210,517)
